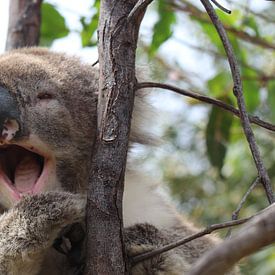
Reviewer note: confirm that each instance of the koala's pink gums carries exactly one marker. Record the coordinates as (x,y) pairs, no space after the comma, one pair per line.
(21,170)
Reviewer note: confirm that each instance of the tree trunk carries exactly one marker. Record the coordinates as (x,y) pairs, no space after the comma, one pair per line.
(117,46)
(24,23)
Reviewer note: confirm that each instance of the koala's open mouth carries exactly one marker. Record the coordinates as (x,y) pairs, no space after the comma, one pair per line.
(20,170)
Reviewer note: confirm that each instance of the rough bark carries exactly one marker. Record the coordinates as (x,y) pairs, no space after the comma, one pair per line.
(258,233)
(117,44)
(24,23)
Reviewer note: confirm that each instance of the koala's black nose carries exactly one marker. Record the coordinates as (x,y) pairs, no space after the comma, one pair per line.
(9,115)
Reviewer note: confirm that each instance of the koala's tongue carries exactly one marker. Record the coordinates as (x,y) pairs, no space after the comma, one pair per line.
(26,173)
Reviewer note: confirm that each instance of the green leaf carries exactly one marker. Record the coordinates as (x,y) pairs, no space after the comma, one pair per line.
(89,27)
(211,32)
(232,19)
(250,23)
(217,136)
(251,89)
(53,25)
(163,29)
(220,84)
(271,99)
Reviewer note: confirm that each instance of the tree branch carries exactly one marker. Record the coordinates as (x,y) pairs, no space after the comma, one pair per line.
(199,15)
(216,3)
(256,234)
(105,248)
(24,24)
(238,92)
(140,6)
(209,100)
(236,213)
(208,230)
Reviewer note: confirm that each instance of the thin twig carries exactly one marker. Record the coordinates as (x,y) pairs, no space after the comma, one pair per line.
(144,256)
(95,63)
(238,92)
(256,234)
(199,15)
(220,6)
(236,213)
(206,99)
(140,6)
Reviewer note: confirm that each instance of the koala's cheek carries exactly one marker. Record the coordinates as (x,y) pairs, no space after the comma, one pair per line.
(51,123)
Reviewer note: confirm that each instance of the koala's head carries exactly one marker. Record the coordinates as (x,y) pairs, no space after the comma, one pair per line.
(47,123)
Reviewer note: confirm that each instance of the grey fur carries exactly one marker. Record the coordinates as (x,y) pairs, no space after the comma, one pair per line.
(56,96)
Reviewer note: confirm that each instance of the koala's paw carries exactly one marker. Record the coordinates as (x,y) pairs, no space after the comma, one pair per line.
(142,238)
(53,209)
(33,224)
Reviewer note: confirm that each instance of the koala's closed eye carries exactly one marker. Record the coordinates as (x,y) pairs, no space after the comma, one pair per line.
(45,96)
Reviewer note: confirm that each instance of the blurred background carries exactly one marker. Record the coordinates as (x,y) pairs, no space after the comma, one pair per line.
(203,158)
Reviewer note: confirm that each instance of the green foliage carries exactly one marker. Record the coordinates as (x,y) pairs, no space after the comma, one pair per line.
(217,136)
(211,191)
(271,99)
(163,29)
(262,262)
(89,27)
(251,90)
(249,23)
(220,85)
(210,31)
(53,25)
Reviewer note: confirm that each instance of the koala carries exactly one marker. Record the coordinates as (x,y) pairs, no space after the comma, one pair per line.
(47,129)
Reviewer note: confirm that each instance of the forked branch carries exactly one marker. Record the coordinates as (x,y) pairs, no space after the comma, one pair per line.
(238,92)
(256,234)
(235,214)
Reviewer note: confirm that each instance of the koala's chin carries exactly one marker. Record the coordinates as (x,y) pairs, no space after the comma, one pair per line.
(26,168)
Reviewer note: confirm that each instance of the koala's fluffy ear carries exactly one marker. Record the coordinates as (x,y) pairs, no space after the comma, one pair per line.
(143,116)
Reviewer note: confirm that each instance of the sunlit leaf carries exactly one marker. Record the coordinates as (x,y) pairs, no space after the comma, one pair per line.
(220,84)
(211,33)
(233,19)
(163,29)
(89,27)
(250,23)
(53,25)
